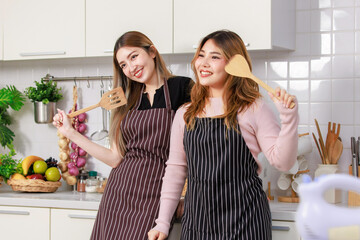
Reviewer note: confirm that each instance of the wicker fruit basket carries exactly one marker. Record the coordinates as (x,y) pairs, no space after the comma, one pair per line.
(33,185)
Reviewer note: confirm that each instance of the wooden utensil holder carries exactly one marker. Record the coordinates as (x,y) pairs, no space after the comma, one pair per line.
(353,198)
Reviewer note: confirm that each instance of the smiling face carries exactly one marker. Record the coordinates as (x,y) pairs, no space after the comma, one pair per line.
(137,64)
(210,68)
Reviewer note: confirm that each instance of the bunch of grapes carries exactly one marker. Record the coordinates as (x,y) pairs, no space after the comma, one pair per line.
(51,162)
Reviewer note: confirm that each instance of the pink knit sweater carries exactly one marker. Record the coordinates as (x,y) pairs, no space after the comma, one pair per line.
(261,132)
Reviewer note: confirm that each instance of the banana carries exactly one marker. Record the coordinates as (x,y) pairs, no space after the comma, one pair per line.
(26,163)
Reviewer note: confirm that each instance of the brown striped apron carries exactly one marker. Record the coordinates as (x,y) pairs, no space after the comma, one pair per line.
(131,199)
(225,199)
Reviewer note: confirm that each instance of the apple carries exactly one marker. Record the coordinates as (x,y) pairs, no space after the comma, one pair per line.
(35,176)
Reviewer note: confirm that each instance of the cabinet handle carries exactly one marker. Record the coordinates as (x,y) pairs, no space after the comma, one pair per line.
(14,212)
(27,54)
(280,228)
(81,216)
(108,51)
(246,45)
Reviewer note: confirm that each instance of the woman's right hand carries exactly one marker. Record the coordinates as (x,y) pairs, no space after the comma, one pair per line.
(62,123)
(156,235)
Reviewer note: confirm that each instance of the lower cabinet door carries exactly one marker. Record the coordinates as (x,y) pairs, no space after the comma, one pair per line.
(24,223)
(71,224)
(284,230)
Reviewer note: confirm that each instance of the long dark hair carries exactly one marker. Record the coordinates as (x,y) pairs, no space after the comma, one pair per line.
(131,88)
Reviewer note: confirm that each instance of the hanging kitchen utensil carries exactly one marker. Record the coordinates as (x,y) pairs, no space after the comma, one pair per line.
(239,67)
(103,133)
(110,100)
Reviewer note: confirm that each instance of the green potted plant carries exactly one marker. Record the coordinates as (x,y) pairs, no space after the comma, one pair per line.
(9,97)
(44,96)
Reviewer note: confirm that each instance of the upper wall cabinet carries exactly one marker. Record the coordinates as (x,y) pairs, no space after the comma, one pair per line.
(107,20)
(44,29)
(262,24)
(1,29)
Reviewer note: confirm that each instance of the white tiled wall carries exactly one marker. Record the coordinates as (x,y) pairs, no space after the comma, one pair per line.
(323,71)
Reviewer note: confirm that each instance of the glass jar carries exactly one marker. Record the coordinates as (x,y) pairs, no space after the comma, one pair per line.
(81,183)
(91,182)
(101,185)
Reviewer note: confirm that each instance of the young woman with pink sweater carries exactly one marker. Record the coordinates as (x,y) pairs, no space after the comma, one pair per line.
(215,141)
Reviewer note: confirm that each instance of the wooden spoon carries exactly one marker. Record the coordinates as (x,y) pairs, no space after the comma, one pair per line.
(109,100)
(337,151)
(239,67)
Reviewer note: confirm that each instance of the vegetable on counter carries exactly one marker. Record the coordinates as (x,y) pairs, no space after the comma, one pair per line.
(9,165)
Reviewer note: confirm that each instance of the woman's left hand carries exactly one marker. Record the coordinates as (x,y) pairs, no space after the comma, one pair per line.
(156,235)
(283,97)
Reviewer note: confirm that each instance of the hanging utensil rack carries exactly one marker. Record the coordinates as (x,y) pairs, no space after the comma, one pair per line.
(49,77)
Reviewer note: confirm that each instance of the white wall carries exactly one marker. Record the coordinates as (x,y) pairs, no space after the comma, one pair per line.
(323,71)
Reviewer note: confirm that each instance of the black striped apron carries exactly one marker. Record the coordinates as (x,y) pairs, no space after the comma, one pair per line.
(225,198)
(131,199)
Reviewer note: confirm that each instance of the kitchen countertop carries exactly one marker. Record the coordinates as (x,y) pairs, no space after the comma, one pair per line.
(64,198)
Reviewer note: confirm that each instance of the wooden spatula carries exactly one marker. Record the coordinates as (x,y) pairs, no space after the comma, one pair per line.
(332,137)
(109,100)
(337,151)
(239,67)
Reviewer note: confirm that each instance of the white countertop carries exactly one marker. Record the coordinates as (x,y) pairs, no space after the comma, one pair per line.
(64,198)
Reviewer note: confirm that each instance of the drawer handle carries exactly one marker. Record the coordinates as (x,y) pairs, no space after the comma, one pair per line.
(108,51)
(281,228)
(14,212)
(27,54)
(81,216)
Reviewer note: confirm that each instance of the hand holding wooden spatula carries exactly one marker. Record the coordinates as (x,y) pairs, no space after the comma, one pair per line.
(109,100)
(239,67)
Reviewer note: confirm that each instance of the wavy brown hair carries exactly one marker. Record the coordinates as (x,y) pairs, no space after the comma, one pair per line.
(131,88)
(239,92)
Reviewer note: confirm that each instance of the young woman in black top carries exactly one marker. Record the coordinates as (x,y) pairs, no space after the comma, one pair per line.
(139,135)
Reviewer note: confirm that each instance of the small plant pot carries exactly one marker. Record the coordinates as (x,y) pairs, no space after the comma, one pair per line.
(44,113)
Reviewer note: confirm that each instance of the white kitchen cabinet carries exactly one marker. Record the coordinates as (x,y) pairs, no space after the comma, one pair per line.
(262,24)
(71,224)
(1,28)
(107,20)
(24,223)
(284,230)
(44,29)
